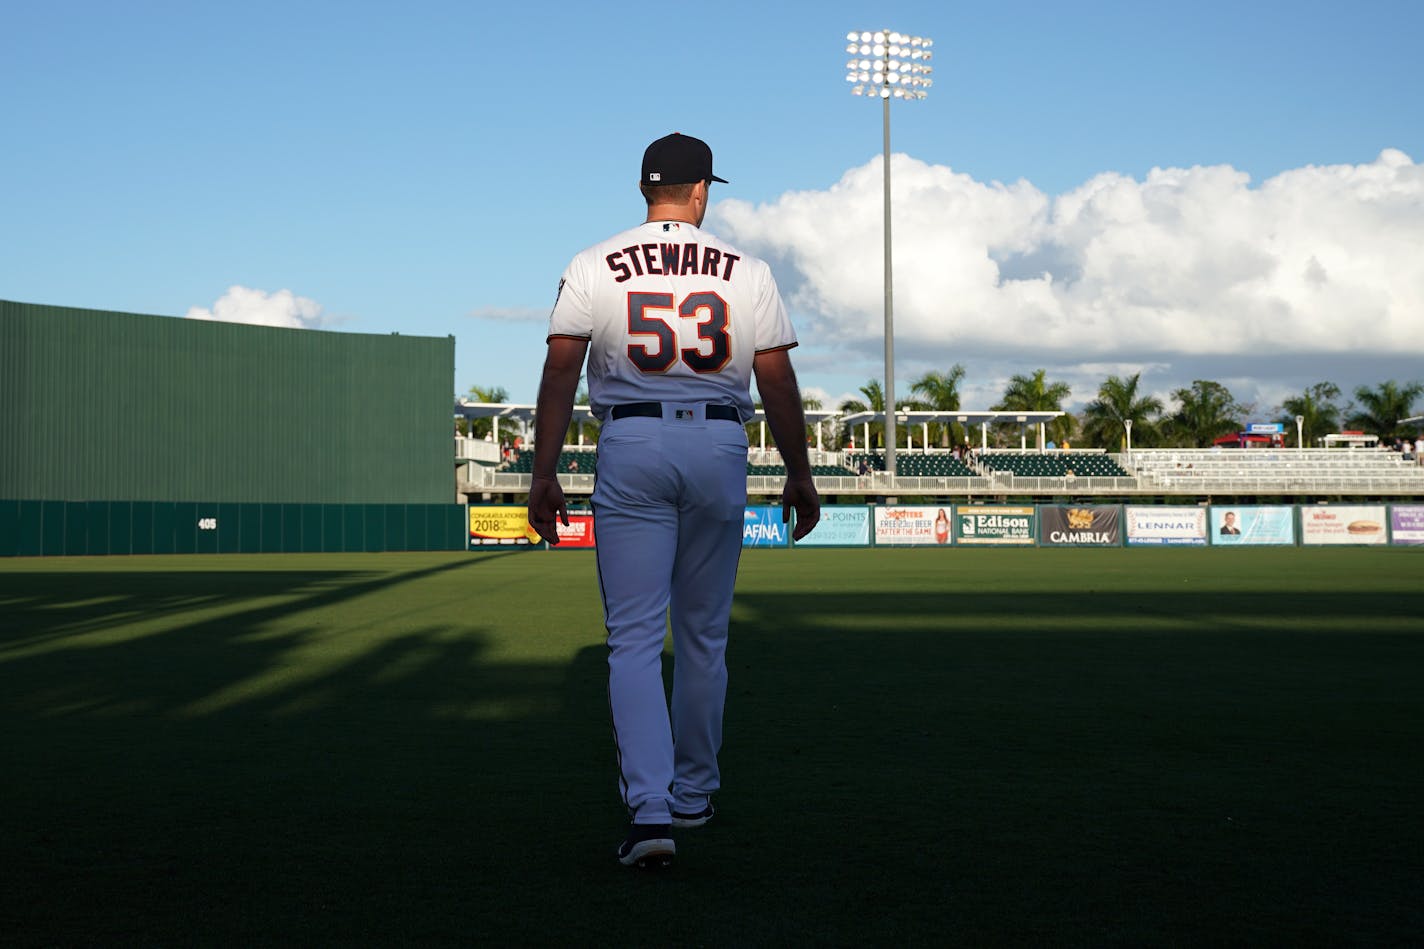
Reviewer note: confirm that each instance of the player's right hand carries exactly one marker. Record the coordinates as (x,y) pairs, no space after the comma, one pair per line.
(546,502)
(803,497)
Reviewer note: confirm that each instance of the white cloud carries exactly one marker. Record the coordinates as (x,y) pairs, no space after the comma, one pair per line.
(1187,262)
(246,305)
(511,314)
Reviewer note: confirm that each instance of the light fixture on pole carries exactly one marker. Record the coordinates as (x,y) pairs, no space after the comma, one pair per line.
(887,66)
(1299,430)
(1127,424)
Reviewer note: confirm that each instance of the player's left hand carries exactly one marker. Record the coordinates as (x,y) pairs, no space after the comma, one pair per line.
(546,502)
(801,495)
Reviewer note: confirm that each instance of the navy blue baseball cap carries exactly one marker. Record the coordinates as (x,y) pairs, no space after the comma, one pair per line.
(678,159)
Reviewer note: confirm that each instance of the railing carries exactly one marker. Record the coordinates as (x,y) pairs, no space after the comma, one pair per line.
(1318,472)
(477,449)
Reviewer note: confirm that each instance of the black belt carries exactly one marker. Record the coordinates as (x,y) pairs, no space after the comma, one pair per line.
(725,413)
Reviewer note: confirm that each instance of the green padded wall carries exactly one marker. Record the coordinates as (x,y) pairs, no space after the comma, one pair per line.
(102,406)
(97,528)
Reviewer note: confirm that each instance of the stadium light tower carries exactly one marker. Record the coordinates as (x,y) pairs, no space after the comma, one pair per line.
(1299,433)
(885,66)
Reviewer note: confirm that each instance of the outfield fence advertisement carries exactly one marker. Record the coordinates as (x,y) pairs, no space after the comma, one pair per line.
(578,535)
(912,526)
(1267,525)
(1406,524)
(840,527)
(1166,525)
(762,527)
(1342,524)
(1080,525)
(998,526)
(500,526)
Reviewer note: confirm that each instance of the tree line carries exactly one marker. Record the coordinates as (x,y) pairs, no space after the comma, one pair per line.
(1200,413)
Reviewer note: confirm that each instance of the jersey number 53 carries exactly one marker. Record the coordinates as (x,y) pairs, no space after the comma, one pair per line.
(714,347)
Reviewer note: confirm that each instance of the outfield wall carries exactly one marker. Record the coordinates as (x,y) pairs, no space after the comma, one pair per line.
(1029,525)
(104,406)
(95,528)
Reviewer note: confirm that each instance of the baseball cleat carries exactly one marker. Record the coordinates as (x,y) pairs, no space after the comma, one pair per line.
(647,846)
(684,821)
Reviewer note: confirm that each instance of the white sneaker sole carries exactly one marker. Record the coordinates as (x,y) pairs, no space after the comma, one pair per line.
(685,822)
(657,852)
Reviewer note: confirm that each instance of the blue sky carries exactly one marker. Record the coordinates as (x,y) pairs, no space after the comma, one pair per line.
(429,169)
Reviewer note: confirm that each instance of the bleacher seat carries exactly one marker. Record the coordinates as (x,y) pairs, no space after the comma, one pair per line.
(1055,464)
(581,461)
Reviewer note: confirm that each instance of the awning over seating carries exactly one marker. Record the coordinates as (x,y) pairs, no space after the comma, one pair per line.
(983,419)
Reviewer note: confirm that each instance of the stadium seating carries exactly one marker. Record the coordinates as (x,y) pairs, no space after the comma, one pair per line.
(914,465)
(1266,470)
(1055,464)
(572,461)
(779,471)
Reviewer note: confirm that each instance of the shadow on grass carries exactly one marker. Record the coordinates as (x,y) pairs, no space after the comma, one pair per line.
(314,757)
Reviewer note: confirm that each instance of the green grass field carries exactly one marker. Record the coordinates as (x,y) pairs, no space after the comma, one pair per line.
(924,747)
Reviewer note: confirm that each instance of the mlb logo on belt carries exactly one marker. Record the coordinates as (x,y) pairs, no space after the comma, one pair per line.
(684,414)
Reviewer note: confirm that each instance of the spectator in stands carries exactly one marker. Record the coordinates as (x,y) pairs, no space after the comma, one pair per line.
(573,466)
(1228,523)
(1419,449)
(863,469)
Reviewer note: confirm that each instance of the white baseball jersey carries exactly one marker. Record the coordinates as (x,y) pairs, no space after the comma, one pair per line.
(672,314)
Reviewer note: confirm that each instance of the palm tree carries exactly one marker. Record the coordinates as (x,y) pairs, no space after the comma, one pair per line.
(589,429)
(874,402)
(807,402)
(1206,410)
(1118,402)
(1317,409)
(1381,408)
(1035,393)
(480,427)
(939,392)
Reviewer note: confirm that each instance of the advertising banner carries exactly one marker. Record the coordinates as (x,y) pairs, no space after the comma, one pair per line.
(1406,524)
(840,527)
(762,527)
(490,526)
(1342,524)
(578,535)
(1080,525)
(1004,526)
(911,526)
(1165,525)
(1253,526)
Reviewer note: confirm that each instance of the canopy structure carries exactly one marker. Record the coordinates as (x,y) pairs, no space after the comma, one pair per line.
(1350,440)
(966,418)
(524,415)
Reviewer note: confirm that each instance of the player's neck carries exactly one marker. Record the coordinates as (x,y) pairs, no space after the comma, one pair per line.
(673,212)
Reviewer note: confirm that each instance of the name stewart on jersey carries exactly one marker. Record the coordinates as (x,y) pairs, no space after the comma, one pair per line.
(672,260)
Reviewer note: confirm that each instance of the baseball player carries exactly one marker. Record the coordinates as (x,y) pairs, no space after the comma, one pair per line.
(674,323)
